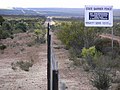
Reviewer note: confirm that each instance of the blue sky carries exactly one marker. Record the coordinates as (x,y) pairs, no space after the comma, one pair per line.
(57,3)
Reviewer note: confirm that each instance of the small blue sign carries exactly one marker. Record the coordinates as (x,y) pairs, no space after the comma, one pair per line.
(98,16)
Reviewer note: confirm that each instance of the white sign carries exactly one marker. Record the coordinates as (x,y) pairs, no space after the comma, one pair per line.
(98,16)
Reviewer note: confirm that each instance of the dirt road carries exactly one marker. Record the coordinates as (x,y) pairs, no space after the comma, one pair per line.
(75,78)
(36,77)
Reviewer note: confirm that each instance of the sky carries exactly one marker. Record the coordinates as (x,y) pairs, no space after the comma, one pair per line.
(57,3)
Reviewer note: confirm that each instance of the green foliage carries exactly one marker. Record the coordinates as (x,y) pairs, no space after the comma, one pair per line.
(75,35)
(6,26)
(91,55)
(38,25)
(24,65)
(4,34)
(22,26)
(117,29)
(91,51)
(104,45)
(90,35)
(72,35)
(5,30)
(101,79)
(18,24)
(67,33)
(2,47)
(40,34)
(1,20)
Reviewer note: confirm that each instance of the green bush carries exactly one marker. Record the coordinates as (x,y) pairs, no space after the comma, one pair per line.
(40,36)
(101,79)
(2,47)
(4,34)
(22,26)
(1,20)
(71,34)
(104,45)
(91,55)
(118,87)
(6,26)
(74,35)
(24,65)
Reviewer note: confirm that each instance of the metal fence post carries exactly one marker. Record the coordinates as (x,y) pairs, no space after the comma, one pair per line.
(55,80)
(48,58)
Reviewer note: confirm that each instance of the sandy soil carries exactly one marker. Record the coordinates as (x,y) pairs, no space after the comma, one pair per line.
(75,78)
(36,78)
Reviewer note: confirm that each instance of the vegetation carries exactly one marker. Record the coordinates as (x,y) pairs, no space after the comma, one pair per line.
(101,80)
(91,55)
(73,35)
(18,24)
(86,48)
(1,20)
(21,26)
(24,65)
(40,35)
(92,52)
(104,45)
(2,47)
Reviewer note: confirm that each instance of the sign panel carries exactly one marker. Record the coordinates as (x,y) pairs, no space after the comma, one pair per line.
(98,16)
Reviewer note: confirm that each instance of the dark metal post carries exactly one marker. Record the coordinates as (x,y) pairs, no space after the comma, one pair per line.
(112,43)
(48,31)
(55,80)
(48,58)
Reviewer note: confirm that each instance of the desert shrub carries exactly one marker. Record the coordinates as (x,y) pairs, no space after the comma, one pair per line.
(1,20)
(75,36)
(116,29)
(30,44)
(106,62)
(104,45)
(2,47)
(21,26)
(4,34)
(91,55)
(24,65)
(7,26)
(40,36)
(71,34)
(73,57)
(114,63)
(86,67)
(101,79)
(118,87)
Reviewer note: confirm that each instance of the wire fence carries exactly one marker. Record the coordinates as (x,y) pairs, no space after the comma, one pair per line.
(53,78)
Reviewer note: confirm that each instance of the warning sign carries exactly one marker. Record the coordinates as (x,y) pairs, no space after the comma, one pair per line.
(98,16)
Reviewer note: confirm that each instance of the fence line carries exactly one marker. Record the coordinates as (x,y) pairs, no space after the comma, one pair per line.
(53,79)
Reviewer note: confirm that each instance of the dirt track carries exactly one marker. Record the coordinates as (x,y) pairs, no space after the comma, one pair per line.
(36,78)
(18,79)
(75,78)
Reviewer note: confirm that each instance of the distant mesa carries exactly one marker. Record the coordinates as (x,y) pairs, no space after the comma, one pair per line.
(66,12)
